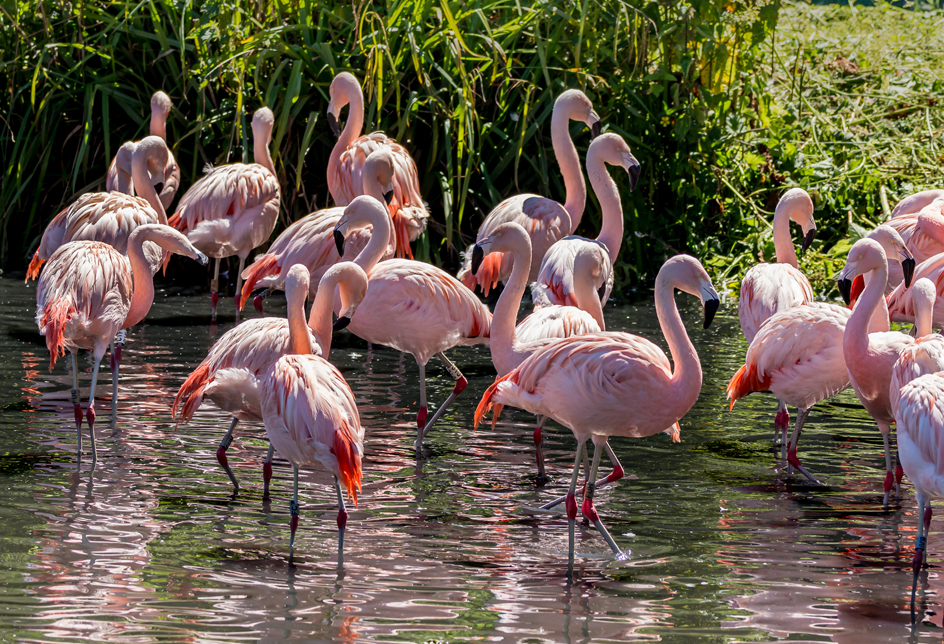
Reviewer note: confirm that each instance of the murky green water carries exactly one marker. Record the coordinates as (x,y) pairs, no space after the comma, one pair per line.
(151,547)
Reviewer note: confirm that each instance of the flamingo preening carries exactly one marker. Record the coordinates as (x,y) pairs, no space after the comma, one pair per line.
(349,156)
(613,383)
(546,220)
(232,372)
(165,180)
(89,291)
(411,306)
(233,208)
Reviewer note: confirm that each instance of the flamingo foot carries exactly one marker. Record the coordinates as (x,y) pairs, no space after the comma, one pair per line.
(421,416)
(257,302)
(266,477)
(571,504)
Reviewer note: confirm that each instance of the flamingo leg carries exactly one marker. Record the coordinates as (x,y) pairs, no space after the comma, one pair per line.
(781,421)
(239,283)
(90,412)
(889,470)
(77,408)
(267,472)
(424,410)
(613,476)
(589,511)
(293,510)
(461,384)
(792,460)
(342,521)
(572,501)
(539,449)
(215,288)
(221,454)
(924,521)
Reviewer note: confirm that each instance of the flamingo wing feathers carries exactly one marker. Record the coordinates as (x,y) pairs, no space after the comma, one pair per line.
(920,426)
(767,289)
(925,356)
(555,322)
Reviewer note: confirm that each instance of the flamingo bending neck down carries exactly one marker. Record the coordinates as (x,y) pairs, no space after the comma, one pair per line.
(411,306)
(555,280)
(310,240)
(233,209)
(612,383)
(165,179)
(89,291)
(233,370)
(350,153)
(507,350)
(546,220)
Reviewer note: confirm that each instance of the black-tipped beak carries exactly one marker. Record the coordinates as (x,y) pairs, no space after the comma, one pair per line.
(711,307)
(595,130)
(333,124)
(908,268)
(845,290)
(339,241)
(158,187)
(808,239)
(477,256)
(388,196)
(341,323)
(602,293)
(634,170)
(202,259)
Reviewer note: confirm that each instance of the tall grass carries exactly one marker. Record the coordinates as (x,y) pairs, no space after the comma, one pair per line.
(467,86)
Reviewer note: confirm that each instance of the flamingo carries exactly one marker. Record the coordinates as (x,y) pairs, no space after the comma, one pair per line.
(310,240)
(507,350)
(111,217)
(89,291)
(232,372)
(900,303)
(923,232)
(920,421)
(554,283)
(166,180)
(926,355)
(612,383)
(915,202)
(349,155)
(546,220)
(233,208)
(411,306)
(870,357)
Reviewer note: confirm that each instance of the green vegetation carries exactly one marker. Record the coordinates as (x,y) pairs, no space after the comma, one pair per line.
(722,109)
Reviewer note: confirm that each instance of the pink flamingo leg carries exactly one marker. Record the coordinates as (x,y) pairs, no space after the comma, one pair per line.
(461,384)
(792,459)
(90,412)
(572,501)
(293,524)
(781,422)
(221,455)
(342,521)
(215,288)
(590,511)
(889,468)
(267,472)
(612,477)
(424,410)
(77,408)
(539,448)
(239,283)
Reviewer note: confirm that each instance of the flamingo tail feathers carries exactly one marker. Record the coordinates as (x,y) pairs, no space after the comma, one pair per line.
(174,221)
(263,267)
(191,392)
(486,403)
(403,234)
(744,382)
(488,275)
(345,449)
(55,317)
(33,271)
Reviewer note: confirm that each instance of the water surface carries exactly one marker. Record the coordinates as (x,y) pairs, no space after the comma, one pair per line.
(151,546)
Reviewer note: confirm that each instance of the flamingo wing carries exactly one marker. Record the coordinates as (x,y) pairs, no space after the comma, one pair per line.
(767,289)
(555,322)
(925,356)
(900,302)
(920,426)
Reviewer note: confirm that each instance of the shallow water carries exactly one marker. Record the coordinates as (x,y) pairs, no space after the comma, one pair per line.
(150,546)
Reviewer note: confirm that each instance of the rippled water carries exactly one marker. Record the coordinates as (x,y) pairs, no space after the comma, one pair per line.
(150,546)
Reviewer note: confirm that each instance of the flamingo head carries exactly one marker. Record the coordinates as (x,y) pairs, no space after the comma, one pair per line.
(686,273)
(894,246)
(579,108)
(339,94)
(507,238)
(379,168)
(614,150)
(800,206)
(352,288)
(363,211)
(161,104)
(865,256)
(263,120)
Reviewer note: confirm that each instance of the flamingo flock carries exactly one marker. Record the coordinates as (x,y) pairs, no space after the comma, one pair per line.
(96,261)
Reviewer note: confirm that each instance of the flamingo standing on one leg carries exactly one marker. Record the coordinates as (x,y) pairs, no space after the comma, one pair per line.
(920,421)
(89,291)
(411,306)
(166,180)
(233,209)
(611,383)
(232,372)
(310,240)
(349,155)
(506,349)
(546,220)
(554,284)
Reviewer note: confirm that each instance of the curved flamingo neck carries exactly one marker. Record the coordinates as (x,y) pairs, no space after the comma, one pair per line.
(145,189)
(353,126)
(143,295)
(260,152)
(856,335)
(159,124)
(611,230)
(879,322)
(566,153)
(783,241)
(585,292)
(504,345)
(299,338)
(319,321)
(377,245)
(687,376)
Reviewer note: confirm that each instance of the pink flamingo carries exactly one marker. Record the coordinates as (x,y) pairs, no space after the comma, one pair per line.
(411,306)
(926,355)
(507,350)
(311,417)
(233,208)
(546,220)
(915,202)
(920,436)
(230,375)
(871,356)
(310,240)
(555,281)
(89,291)
(612,383)
(900,302)
(349,155)
(923,232)
(165,181)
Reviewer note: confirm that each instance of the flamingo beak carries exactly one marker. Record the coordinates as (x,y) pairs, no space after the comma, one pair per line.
(602,293)
(595,130)
(339,241)
(477,256)
(908,268)
(158,187)
(808,239)
(341,323)
(634,169)
(333,124)
(711,307)
(202,259)
(845,289)
(388,196)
